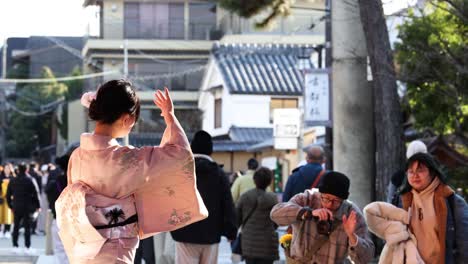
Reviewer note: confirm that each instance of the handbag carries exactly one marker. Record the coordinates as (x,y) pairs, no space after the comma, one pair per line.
(236,247)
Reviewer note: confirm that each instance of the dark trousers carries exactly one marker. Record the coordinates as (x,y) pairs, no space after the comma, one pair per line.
(25,217)
(258,261)
(145,251)
(6,228)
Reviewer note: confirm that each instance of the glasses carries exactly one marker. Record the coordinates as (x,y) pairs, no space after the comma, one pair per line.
(417,171)
(332,201)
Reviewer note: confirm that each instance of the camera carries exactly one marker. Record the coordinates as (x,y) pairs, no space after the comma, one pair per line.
(325,227)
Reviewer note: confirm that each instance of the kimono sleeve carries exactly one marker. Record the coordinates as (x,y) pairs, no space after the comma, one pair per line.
(168,198)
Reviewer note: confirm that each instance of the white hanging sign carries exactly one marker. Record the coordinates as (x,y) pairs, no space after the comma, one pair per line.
(317,98)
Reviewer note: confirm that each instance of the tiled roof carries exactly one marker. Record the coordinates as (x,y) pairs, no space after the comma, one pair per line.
(250,134)
(238,139)
(242,138)
(260,69)
(228,146)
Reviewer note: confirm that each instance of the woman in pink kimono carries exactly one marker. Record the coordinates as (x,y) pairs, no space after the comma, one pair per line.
(117,194)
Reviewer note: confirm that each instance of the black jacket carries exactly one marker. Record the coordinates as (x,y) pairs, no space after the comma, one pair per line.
(213,186)
(54,188)
(22,194)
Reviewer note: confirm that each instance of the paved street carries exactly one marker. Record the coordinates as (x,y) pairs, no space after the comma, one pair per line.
(8,256)
(38,243)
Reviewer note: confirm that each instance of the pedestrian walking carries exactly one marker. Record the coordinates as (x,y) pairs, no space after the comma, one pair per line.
(117,194)
(439,217)
(259,238)
(38,224)
(54,187)
(6,215)
(304,177)
(198,243)
(245,182)
(22,198)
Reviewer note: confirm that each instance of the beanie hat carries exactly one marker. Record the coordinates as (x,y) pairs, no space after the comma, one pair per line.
(202,143)
(335,183)
(416,146)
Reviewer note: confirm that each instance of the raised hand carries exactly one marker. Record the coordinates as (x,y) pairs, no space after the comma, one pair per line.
(349,223)
(164,101)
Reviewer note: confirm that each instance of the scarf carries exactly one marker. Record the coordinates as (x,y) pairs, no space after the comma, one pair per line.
(424,223)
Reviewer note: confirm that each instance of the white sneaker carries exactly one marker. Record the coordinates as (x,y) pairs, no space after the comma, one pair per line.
(30,251)
(18,251)
(7,235)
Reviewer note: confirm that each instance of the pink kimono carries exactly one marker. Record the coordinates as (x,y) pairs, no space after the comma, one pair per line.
(109,184)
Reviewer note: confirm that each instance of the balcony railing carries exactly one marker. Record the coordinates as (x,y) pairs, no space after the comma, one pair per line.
(176,30)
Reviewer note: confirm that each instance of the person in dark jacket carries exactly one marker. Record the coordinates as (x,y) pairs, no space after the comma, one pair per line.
(53,189)
(259,239)
(198,242)
(22,198)
(303,177)
(37,179)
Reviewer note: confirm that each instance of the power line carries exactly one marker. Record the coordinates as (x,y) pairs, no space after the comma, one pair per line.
(168,75)
(50,107)
(45,80)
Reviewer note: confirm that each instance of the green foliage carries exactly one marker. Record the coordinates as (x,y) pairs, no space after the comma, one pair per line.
(26,132)
(433,57)
(249,8)
(75,87)
(246,8)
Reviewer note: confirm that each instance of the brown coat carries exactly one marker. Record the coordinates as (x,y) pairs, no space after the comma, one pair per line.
(440,196)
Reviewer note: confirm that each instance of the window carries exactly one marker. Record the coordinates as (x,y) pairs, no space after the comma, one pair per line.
(202,20)
(148,20)
(131,23)
(218,113)
(278,103)
(154,20)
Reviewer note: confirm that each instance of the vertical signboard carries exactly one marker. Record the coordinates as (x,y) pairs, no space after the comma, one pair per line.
(317,98)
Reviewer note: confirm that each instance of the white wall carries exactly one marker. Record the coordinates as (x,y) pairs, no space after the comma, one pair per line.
(247,110)
(77,119)
(113,19)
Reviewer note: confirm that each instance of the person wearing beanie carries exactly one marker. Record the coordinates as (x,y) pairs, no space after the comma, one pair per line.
(328,228)
(416,146)
(438,216)
(198,242)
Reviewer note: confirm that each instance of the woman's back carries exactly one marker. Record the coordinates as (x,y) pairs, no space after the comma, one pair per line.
(259,238)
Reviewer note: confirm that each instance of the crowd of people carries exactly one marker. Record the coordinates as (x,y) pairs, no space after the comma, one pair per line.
(28,191)
(122,196)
